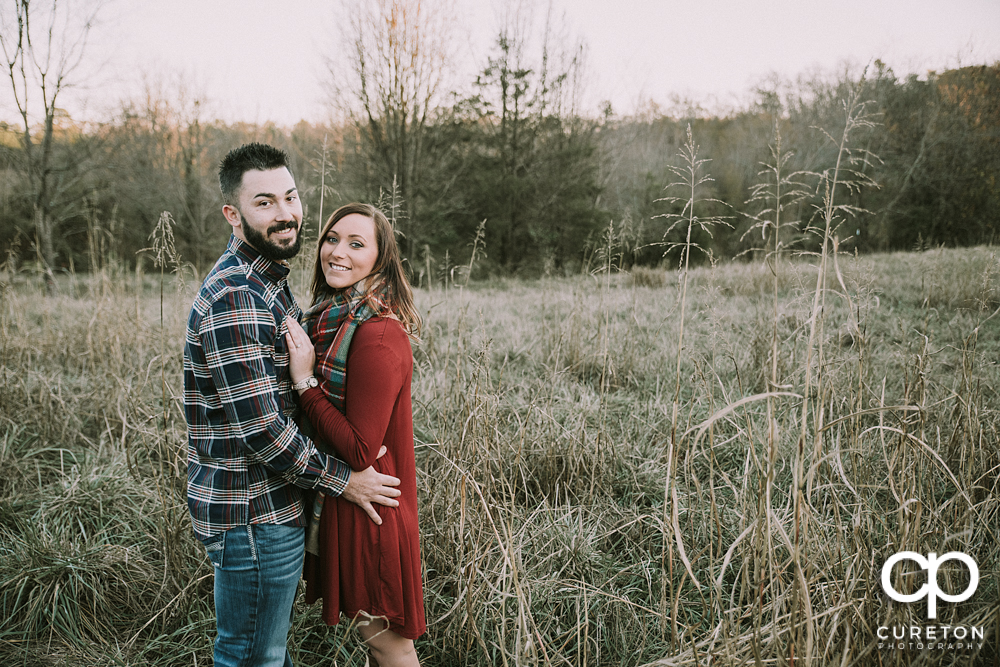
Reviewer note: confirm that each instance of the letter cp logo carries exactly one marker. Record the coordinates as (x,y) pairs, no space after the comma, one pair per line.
(930,589)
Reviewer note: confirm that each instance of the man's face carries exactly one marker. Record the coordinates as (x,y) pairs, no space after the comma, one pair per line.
(269,215)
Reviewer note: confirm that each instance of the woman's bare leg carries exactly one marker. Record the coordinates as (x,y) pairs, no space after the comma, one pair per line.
(388,648)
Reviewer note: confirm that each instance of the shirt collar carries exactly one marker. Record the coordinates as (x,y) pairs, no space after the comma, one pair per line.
(275,271)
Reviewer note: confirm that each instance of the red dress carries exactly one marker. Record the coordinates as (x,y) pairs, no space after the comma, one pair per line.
(362,566)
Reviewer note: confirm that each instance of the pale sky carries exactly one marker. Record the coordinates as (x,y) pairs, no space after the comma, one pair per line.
(256,60)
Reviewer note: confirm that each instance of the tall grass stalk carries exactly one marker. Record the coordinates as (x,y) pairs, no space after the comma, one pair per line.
(166,259)
(692,180)
(778,189)
(323,153)
(607,254)
(832,214)
(478,251)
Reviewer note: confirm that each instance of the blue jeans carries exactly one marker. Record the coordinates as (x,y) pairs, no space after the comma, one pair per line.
(257,571)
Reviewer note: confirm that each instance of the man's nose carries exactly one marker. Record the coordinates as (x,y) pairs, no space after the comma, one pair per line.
(285,211)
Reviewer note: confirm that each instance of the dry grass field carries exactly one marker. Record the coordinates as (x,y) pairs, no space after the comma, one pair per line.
(595,490)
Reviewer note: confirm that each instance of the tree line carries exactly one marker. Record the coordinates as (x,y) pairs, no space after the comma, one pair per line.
(505,165)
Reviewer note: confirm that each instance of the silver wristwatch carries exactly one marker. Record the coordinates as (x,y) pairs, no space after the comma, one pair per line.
(308,383)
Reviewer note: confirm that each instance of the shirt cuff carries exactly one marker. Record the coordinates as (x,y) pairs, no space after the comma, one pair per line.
(334,479)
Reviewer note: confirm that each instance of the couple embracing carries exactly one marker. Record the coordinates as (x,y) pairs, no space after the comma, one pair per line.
(256,480)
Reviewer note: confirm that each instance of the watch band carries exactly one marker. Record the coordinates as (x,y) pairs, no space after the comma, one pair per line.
(308,383)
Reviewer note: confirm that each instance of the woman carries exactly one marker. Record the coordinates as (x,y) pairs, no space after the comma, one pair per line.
(360,322)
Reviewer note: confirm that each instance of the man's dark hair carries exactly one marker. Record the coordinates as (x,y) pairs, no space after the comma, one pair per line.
(248,157)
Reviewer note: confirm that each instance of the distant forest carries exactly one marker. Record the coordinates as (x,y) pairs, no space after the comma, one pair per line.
(511,148)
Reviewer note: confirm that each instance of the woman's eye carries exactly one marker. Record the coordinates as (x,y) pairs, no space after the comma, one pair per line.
(358,245)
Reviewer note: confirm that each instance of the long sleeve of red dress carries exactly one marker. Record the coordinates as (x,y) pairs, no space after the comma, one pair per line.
(364,567)
(372,391)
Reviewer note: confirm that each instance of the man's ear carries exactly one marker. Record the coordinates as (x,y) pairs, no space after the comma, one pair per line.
(232,215)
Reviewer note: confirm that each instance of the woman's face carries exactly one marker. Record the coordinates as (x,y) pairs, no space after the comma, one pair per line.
(349,251)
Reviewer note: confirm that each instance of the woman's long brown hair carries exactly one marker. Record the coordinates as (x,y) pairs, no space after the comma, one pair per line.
(388,265)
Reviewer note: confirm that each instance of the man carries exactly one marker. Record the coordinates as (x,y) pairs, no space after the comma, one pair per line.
(248,463)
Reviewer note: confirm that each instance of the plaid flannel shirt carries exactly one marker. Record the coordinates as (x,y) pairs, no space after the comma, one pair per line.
(247,461)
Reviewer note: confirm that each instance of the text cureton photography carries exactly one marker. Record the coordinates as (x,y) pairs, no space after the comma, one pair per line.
(930,636)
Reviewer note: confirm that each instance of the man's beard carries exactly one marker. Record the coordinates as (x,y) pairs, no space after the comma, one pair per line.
(267,249)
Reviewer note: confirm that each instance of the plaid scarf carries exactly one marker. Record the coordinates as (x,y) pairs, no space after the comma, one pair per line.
(331,324)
